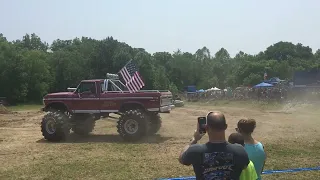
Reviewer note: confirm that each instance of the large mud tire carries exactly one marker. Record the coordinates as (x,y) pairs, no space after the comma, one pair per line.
(83,124)
(132,125)
(154,123)
(54,126)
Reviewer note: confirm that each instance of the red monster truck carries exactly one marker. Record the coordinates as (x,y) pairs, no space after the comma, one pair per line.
(92,99)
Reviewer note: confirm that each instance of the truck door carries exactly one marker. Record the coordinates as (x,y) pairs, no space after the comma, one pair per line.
(109,103)
(88,99)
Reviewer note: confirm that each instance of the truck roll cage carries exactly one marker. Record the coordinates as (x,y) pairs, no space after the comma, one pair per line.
(108,82)
(113,80)
(113,76)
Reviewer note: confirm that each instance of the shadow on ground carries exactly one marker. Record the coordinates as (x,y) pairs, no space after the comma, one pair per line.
(108,138)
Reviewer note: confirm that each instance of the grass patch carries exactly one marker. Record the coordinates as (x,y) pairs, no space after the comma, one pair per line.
(146,161)
(25,107)
(103,155)
(290,155)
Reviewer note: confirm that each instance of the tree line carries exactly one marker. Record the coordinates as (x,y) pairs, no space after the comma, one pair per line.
(30,67)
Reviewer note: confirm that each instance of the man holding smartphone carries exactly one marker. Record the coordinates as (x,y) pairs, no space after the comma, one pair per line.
(217,159)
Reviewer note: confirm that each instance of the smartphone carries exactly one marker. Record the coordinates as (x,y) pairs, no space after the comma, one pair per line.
(202,124)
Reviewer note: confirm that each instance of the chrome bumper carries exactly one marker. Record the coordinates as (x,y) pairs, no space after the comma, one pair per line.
(166,108)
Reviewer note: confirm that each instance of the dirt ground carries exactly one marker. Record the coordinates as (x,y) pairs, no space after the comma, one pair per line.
(291,135)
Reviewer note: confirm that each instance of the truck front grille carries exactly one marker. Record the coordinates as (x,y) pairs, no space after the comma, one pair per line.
(166,101)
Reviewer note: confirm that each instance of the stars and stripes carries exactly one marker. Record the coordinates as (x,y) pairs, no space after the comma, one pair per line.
(131,77)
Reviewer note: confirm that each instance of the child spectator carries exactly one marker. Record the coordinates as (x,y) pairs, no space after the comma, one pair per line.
(254,148)
(248,173)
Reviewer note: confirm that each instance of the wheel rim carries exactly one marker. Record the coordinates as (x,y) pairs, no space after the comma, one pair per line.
(50,126)
(68,114)
(131,126)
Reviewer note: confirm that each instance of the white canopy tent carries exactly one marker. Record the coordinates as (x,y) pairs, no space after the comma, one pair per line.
(213,89)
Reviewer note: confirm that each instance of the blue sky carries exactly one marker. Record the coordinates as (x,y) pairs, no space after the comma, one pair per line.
(166,25)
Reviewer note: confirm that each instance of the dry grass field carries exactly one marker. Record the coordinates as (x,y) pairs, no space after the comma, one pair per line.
(291,135)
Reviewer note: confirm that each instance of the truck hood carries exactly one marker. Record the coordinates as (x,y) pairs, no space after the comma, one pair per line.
(59,95)
(163,93)
(166,94)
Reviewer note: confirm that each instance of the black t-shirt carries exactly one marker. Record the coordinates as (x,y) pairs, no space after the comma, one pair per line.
(216,161)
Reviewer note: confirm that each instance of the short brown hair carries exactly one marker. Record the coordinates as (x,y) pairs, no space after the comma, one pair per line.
(246,125)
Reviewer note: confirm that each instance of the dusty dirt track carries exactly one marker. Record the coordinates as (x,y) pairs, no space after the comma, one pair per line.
(21,142)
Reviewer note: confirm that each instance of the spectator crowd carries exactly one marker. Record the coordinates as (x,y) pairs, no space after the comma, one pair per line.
(239,93)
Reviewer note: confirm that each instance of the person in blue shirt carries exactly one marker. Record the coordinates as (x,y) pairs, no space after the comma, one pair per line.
(254,148)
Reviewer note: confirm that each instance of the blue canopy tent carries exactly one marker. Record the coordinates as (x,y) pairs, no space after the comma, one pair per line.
(274,80)
(263,85)
(190,89)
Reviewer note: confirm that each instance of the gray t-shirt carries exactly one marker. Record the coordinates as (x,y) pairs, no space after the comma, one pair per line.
(216,161)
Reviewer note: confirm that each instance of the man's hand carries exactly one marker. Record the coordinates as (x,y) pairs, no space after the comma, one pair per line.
(197,136)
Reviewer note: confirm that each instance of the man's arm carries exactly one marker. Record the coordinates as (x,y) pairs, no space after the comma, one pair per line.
(185,156)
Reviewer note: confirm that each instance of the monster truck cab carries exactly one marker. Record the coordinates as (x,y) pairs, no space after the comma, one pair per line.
(95,98)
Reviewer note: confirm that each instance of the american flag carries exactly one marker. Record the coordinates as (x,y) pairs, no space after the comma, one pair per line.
(131,77)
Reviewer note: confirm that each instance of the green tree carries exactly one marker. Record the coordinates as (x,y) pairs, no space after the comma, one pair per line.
(29,67)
